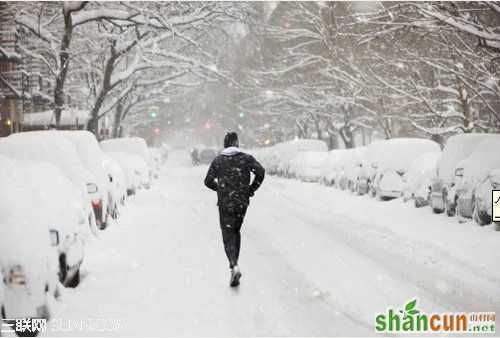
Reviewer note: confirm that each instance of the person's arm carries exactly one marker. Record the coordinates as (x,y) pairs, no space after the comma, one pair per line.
(211,176)
(259,172)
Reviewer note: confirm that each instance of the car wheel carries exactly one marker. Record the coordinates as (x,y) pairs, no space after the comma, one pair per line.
(2,312)
(104,224)
(115,211)
(75,280)
(418,203)
(372,192)
(497,226)
(481,217)
(437,210)
(63,268)
(451,209)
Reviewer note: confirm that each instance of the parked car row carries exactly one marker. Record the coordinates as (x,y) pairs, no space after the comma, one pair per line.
(457,180)
(58,190)
(465,175)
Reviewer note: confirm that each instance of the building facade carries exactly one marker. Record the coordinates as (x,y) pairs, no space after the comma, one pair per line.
(25,85)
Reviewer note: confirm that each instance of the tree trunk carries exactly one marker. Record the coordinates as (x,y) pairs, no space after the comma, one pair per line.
(468,119)
(107,86)
(332,141)
(118,119)
(318,128)
(347,137)
(59,99)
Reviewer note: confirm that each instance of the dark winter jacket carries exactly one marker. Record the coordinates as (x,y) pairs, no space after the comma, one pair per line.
(229,175)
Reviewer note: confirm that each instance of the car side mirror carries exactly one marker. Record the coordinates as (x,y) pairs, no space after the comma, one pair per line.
(54,237)
(91,188)
(110,178)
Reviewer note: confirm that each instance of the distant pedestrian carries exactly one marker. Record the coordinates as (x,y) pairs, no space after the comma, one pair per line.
(195,158)
(229,176)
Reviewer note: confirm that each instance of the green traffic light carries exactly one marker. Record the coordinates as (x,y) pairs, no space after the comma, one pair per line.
(153,114)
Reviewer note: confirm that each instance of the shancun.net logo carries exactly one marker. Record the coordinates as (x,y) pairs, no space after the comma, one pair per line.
(410,319)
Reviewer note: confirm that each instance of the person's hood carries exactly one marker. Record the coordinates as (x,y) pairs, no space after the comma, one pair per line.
(230,151)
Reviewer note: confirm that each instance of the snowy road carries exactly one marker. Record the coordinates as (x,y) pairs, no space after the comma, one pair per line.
(315,261)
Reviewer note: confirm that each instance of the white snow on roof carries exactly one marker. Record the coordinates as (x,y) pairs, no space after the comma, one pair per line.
(68,117)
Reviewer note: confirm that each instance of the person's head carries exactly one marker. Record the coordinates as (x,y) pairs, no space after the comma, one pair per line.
(231,140)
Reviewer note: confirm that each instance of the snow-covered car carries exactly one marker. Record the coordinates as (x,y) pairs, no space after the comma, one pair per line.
(64,210)
(131,145)
(135,170)
(417,180)
(47,146)
(91,157)
(458,148)
(394,157)
(28,258)
(117,185)
(307,165)
(474,181)
(352,172)
(482,199)
(332,166)
(285,152)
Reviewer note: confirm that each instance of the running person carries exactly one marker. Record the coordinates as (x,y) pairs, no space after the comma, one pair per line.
(229,176)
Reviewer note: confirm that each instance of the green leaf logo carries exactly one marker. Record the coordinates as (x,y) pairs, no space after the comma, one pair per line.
(410,305)
(409,309)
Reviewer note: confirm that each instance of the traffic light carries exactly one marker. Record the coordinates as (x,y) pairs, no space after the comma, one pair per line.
(153,114)
(156,130)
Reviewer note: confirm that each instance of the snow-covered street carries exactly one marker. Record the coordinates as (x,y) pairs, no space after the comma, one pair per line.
(316,261)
